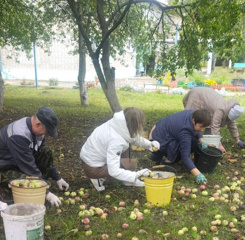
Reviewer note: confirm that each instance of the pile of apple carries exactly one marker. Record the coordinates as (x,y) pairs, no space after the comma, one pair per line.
(156,176)
(28,183)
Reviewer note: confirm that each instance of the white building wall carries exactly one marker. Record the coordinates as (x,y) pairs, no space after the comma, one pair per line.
(60,65)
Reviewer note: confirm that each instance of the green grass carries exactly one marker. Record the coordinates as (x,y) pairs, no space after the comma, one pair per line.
(77,122)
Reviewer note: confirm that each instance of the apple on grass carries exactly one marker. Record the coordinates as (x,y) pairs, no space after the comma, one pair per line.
(125,226)
(47,228)
(122,204)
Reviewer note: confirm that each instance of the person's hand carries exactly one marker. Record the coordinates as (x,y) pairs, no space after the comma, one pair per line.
(54,200)
(203,145)
(155,145)
(4,206)
(200,178)
(139,183)
(62,184)
(221,148)
(240,144)
(144,172)
(136,183)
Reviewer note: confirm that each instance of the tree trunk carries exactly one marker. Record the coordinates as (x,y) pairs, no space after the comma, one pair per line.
(1,92)
(82,72)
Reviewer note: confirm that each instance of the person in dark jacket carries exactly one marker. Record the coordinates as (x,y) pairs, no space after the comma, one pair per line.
(179,135)
(22,151)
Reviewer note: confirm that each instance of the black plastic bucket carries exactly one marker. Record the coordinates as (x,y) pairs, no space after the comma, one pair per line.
(206,160)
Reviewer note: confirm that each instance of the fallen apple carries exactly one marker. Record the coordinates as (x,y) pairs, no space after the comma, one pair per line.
(122,204)
(180,232)
(119,235)
(204,193)
(202,187)
(125,226)
(47,228)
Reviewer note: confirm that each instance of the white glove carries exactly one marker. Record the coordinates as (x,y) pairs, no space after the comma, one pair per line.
(136,183)
(154,144)
(144,172)
(139,183)
(62,184)
(3,206)
(54,200)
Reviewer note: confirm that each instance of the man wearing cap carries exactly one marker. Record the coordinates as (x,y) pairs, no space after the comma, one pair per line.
(22,153)
(223,112)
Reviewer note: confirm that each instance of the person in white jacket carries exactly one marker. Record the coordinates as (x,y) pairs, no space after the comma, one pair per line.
(102,151)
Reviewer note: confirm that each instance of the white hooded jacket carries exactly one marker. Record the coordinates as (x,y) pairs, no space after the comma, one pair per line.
(107,142)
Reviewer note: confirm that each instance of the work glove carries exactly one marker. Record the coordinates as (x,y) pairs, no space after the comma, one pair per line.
(200,178)
(240,144)
(54,200)
(4,207)
(144,172)
(155,145)
(136,183)
(203,145)
(62,184)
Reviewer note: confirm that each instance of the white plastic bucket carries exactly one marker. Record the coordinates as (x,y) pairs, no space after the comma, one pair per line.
(25,221)
(213,140)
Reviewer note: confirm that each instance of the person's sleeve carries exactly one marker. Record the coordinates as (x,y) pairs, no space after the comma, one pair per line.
(113,164)
(185,149)
(142,142)
(22,155)
(216,122)
(199,135)
(233,129)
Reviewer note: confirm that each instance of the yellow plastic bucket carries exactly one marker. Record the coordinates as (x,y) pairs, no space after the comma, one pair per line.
(29,193)
(159,190)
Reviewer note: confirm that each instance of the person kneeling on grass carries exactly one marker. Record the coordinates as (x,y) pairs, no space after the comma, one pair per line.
(102,151)
(179,135)
(22,151)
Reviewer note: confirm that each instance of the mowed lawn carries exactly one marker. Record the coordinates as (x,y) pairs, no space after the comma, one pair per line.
(188,216)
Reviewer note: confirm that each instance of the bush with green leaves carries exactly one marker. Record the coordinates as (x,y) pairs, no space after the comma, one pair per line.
(53,82)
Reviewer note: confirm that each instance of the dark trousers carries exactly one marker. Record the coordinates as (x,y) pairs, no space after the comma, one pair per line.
(158,155)
(44,162)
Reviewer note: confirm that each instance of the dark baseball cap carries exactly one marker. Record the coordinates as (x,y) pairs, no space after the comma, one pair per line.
(49,119)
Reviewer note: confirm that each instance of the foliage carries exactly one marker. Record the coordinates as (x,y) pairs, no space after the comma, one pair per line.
(22,23)
(196,78)
(104,28)
(210,82)
(24,82)
(76,124)
(126,89)
(222,75)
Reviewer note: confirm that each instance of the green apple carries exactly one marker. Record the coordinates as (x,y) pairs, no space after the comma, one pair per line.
(151,174)
(47,228)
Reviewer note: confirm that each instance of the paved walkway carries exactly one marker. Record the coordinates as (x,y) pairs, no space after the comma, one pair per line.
(137,81)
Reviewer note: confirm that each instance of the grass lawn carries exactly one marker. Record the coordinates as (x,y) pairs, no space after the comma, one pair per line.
(188,216)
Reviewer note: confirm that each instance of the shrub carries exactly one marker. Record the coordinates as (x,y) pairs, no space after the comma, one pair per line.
(210,82)
(126,89)
(53,82)
(196,78)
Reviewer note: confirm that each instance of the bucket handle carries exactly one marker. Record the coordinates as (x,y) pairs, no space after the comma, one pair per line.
(32,178)
(163,166)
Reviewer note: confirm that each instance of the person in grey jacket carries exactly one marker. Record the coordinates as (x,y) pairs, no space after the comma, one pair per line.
(223,112)
(22,151)
(102,151)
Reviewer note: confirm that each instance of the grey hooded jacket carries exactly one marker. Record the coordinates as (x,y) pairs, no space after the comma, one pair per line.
(203,97)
